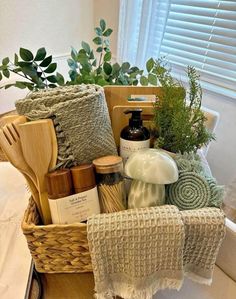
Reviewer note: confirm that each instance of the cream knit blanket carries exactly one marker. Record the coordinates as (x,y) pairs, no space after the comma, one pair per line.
(137,252)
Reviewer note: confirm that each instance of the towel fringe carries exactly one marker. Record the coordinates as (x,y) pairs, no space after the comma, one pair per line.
(127,291)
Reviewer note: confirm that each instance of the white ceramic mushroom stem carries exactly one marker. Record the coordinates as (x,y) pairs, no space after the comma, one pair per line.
(145,195)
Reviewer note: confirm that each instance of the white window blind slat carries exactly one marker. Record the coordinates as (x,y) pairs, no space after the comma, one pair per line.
(198,43)
(204,28)
(202,36)
(197,49)
(203,33)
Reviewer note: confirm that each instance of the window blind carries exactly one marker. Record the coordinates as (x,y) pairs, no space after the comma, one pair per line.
(202,33)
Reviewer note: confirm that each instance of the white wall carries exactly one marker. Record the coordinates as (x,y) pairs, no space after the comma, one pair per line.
(222,152)
(53,24)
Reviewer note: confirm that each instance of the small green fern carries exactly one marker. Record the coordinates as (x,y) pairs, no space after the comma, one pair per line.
(177,113)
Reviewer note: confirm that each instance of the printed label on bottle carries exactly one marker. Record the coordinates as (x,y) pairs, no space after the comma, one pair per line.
(74,208)
(128,147)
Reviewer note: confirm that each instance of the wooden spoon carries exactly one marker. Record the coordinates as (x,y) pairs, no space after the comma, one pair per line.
(11,146)
(36,140)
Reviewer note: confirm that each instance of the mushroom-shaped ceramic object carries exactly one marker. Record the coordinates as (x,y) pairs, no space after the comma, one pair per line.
(150,170)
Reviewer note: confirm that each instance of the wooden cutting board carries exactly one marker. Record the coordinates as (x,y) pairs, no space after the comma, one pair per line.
(119,96)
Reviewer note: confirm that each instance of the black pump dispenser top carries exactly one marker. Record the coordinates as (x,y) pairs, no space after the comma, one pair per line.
(135,121)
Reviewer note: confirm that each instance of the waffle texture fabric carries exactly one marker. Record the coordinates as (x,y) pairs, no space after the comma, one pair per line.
(204,233)
(81,121)
(195,188)
(137,252)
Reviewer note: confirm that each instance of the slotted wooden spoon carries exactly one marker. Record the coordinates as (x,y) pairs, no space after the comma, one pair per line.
(36,141)
(11,146)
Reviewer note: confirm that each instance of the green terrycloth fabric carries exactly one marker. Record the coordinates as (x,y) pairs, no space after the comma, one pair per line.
(195,188)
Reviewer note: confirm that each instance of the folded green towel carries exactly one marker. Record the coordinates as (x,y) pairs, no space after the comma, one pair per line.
(195,188)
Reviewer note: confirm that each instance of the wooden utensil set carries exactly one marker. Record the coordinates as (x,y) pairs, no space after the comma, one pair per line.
(31,147)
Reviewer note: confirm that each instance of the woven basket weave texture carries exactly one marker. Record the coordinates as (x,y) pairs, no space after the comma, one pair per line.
(56,248)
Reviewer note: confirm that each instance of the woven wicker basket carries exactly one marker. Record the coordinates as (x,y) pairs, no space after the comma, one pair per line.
(56,248)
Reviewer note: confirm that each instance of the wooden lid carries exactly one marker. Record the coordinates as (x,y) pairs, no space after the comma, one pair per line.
(108,164)
(83,177)
(59,183)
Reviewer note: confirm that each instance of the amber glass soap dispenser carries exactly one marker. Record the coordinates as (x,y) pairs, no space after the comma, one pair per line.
(134,136)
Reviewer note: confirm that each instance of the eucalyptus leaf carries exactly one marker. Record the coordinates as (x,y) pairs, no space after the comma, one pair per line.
(46,61)
(97,40)
(20,84)
(144,81)
(26,55)
(98,31)
(82,51)
(24,64)
(52,78)
(6,73)
(30,71)
(107,68)
(107,56)
(102,24)
(72,64)
(0,76)
(125,66)
(60,79)
(86,47)
(150,64)
(152,79)
(73,53)
(107,42)
(82,58)
(51,68)
(108,32)
(73,74)
(116,68)
(99,50)
(5,61)
(41,54)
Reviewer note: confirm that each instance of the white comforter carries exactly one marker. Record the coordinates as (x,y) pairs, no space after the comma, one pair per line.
(15,259)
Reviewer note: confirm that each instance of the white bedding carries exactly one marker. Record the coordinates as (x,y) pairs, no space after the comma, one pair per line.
(15,259)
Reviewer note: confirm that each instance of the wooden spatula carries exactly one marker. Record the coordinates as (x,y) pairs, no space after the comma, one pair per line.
(54,144)
(36,140)
(8,119)
(11,146)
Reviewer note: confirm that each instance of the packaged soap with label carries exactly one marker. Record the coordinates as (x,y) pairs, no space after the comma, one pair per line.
(67,207)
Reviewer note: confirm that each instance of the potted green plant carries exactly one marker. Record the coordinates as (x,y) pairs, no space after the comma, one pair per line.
(178,118)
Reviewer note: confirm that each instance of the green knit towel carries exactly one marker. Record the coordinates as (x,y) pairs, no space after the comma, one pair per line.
(194,188)
(81,121)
